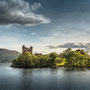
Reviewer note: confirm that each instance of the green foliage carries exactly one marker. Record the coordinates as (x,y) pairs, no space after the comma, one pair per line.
(78,58)
(53,59)
(26,61)
(30,61)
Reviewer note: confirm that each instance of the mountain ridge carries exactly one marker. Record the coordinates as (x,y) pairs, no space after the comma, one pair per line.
(6,55)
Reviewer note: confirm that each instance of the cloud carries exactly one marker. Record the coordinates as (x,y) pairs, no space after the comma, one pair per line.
(33,33)
(20,12)
(35,6)
(85,46)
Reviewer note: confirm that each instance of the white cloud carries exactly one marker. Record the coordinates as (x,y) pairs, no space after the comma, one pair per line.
(35,6)
(20,12)
(33,33)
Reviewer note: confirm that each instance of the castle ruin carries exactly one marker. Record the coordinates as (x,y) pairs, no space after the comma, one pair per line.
(26,49)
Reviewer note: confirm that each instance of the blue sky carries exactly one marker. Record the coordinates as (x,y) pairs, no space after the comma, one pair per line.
(43,23)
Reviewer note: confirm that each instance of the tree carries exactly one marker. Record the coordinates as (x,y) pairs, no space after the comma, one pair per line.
(78,58)
(70,58)
(52,57)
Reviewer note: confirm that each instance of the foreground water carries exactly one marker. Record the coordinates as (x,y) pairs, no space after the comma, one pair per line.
(43,79)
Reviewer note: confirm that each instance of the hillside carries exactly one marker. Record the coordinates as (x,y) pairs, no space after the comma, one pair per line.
(6,56)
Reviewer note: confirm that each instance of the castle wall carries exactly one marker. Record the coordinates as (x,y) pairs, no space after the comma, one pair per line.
(26,49)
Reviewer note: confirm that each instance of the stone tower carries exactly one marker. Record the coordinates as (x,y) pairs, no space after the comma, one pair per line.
(31,49)
(26,49)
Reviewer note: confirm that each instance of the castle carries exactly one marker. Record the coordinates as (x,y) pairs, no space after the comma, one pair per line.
(26,49)
(30,49)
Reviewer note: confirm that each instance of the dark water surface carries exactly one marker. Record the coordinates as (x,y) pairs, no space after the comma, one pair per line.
(43,79)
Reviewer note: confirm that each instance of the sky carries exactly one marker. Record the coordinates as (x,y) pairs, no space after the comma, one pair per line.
(47,25)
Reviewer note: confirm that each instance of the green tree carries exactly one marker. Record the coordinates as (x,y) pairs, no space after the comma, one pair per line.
(52,57)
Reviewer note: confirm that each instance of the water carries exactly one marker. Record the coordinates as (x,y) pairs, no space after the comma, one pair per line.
(43,79)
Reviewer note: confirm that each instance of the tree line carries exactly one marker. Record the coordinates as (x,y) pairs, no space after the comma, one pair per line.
(68,58)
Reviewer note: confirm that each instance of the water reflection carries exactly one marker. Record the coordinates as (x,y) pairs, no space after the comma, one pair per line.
(44,79)
(75,69)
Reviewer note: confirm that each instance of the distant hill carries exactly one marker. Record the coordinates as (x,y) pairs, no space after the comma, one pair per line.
(6,56)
